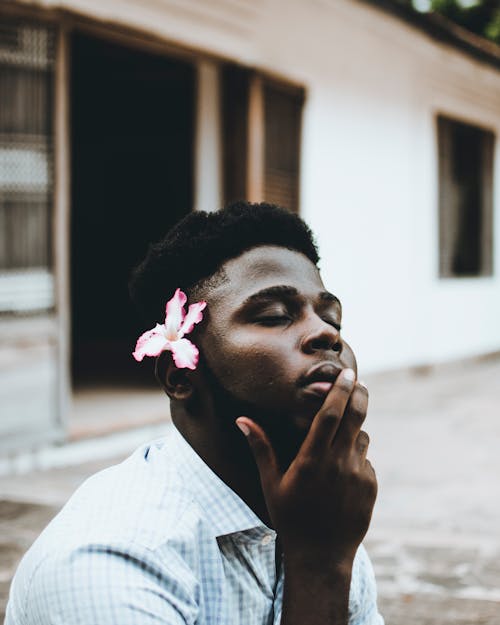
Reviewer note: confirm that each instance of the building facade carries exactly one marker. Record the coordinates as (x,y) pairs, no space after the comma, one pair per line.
(117,117)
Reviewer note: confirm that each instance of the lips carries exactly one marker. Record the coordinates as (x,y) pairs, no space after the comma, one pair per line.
(319,380)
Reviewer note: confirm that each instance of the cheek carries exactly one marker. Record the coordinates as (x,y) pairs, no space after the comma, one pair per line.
(348,358)
(240,361)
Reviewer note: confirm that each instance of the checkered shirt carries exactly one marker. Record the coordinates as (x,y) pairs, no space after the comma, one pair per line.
(160,539)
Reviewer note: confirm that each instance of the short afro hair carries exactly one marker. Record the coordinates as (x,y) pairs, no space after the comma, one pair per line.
(195,249)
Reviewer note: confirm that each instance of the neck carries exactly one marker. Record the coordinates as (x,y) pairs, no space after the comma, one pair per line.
(224,449)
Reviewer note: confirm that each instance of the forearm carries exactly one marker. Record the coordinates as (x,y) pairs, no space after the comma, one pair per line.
(316,590)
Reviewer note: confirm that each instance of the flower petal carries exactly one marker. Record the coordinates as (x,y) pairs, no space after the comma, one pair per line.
(151,343)
(174,314)
(193,316)
(184,353)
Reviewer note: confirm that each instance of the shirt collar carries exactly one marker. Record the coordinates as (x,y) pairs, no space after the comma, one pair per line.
(224,509)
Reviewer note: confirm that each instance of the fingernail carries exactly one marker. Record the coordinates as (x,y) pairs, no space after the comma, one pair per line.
(349,375)
(243,427)
(363,384)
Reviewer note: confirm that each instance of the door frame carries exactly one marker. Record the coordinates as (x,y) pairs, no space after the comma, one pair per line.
(207,152)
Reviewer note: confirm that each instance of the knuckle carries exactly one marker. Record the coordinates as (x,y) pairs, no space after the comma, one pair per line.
(372,476)
(305,466)
(329,418)
(358,414)
(344,386)
(360,397)
(363,389)
(367,485)
(339,467)
(363,440)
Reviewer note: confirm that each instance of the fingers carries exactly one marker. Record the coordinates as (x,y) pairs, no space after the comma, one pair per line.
(327,421)
(262,451)
(353,419)
(372,473)
(362,442)
(373,478)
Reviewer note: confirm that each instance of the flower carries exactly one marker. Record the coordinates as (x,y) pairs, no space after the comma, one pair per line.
(170,335)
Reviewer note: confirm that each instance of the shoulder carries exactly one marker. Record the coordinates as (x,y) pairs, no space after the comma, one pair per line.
(129,535)
(141,500)
(110,583)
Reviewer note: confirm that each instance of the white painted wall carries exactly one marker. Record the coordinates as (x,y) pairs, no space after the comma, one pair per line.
(369,183)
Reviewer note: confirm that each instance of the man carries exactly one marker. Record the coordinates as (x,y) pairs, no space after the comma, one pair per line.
(253,509)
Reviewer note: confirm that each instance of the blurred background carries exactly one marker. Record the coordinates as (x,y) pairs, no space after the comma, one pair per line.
(378,122)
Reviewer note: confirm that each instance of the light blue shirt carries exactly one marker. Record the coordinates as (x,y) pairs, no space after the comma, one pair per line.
(160,539)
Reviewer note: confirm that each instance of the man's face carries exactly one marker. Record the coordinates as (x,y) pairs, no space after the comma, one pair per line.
(272,341)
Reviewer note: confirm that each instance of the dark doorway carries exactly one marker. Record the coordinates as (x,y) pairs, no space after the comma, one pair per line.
(132,148)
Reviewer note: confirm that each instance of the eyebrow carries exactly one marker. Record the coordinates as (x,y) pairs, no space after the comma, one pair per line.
(286,292)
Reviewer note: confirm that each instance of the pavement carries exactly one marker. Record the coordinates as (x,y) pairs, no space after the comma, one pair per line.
(435,534)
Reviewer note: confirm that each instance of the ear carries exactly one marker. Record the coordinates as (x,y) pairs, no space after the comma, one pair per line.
(174,381)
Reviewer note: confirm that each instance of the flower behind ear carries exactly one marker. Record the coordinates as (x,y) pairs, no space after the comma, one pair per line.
(170,335)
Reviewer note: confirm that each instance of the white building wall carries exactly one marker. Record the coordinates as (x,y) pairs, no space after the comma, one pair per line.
(369,170)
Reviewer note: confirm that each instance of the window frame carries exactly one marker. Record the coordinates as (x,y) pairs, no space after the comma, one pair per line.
(445,124)
(245,176)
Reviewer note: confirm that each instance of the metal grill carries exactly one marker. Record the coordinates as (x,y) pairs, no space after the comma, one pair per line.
(27,62)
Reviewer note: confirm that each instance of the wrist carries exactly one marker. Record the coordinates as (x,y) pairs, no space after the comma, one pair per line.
(313,580)
(312,561)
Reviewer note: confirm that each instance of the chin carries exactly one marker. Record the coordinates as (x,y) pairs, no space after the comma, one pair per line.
(308,407)
(302,423)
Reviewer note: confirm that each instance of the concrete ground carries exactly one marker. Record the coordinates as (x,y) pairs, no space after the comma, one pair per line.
(435,537)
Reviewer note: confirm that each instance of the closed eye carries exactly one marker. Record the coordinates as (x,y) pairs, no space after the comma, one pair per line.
(273,320)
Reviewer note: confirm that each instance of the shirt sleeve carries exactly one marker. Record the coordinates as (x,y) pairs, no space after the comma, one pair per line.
(363,609)
(105,585)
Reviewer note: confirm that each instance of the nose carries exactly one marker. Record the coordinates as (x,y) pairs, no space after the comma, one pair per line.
(322,337)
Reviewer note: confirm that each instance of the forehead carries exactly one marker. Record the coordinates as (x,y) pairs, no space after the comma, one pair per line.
(262,267)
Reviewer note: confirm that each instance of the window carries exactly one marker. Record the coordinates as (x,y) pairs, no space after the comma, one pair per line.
(282,118)
(235,91)
(27,58)
(261,128)
(465,199)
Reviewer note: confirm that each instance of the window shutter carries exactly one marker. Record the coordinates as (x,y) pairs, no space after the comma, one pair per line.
(262,127)
(282,119)
(27,65)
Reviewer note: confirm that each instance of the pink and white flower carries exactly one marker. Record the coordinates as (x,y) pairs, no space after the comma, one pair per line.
(170,335)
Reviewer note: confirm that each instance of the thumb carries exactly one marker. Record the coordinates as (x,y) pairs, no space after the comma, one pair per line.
(262,451)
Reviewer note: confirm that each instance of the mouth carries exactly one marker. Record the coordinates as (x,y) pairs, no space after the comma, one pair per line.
(318,381)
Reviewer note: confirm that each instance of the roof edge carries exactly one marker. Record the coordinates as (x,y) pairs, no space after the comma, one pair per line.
(442,29)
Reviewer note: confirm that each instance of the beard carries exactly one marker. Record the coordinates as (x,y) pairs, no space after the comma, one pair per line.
(284,437)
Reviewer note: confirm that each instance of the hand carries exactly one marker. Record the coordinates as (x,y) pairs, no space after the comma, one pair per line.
(321,505)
